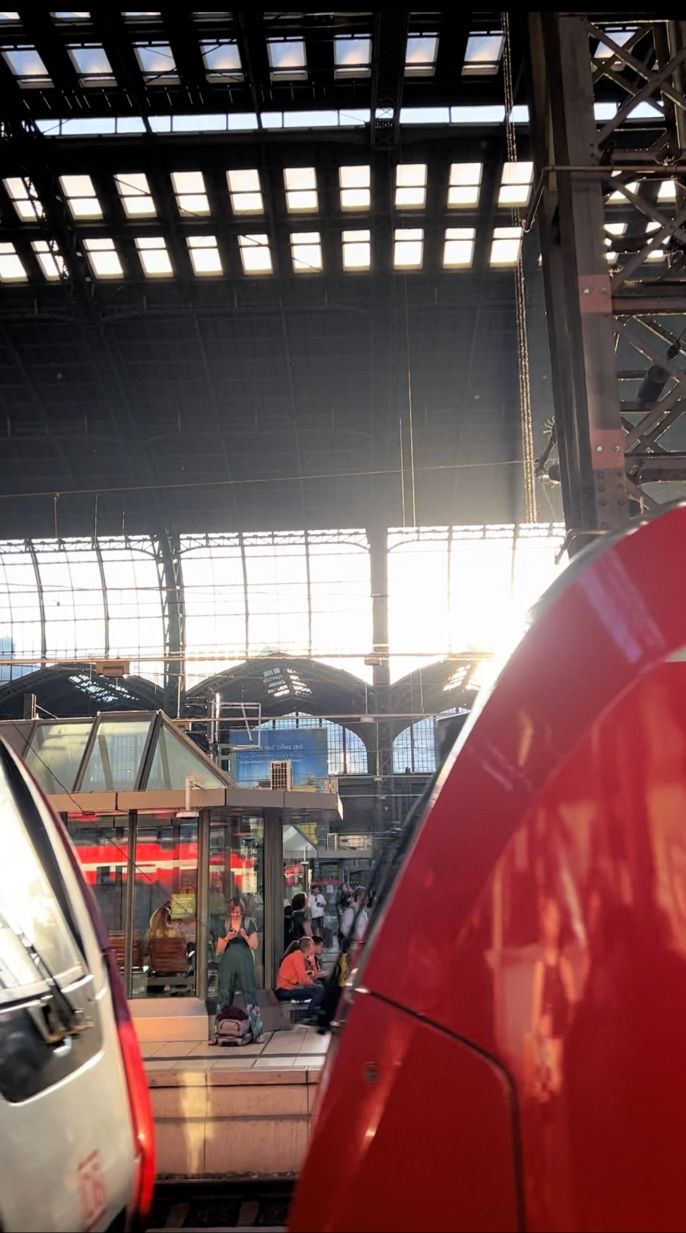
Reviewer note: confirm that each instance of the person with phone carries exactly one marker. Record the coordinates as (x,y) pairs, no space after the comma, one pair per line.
(235,951)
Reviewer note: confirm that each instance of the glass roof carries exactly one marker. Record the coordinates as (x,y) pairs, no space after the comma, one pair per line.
(111,753)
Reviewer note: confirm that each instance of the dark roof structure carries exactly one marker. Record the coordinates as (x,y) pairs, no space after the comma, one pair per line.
(241,251)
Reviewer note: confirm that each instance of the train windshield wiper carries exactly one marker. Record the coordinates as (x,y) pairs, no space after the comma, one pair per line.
(56,1017)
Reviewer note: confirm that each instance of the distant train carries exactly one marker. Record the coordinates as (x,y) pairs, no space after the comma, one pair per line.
(511,1052)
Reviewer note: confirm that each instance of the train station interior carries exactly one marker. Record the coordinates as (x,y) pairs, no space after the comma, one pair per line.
(328,343)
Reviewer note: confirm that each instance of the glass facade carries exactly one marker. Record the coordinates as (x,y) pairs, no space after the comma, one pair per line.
(236,870)
(165,905)
(305,593)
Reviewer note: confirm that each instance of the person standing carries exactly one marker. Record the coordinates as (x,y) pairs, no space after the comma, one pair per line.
(300,917)
(236,955)
(317,906)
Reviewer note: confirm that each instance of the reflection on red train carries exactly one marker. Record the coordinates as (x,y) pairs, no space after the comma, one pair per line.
(512,1048)
(158,860)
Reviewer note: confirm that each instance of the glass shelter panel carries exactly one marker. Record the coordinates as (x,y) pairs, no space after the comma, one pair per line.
(236,869)
(55,754)
(102,849)
(114,761)
(165,905)
(173,760)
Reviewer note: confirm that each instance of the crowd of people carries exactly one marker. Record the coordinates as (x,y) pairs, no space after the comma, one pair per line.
(306,936)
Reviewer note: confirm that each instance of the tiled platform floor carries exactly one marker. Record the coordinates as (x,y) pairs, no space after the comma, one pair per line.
(234,1111)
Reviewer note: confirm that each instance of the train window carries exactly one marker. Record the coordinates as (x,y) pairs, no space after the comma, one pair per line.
(30,916)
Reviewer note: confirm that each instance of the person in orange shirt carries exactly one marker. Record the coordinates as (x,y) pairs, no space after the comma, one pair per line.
(294,983)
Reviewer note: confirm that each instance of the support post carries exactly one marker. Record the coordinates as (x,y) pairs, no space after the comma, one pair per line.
(273,894)
(129,905)
(202,905)
(382,756)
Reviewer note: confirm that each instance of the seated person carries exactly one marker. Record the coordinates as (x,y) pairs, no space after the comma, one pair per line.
(314,964)
(294,983)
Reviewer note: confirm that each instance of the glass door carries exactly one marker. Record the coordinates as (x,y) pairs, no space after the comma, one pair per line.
(236,870)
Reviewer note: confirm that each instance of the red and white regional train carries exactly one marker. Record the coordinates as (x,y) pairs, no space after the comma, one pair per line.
(511,1051)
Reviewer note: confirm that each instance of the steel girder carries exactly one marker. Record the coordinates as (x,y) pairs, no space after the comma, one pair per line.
(611,206)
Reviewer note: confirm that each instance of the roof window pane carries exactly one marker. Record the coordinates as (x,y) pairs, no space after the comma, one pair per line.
(92,64)
(408,248)
(11,268)
(482,57)
(80,194)
(355,190)
(420,55)
(27,66)
(157,62)
(24,199)
(287,59)
(135,194)
(667,191)
(191,196)
(114,761)
(103,258)
(69,16)
(154,256)
(222,60)
(245,191)
(507,242)
(410,185)
(352,55)
(357,250)
(50,260)
(465,184)
(306,252)
(613,229)
(204,254)
(301,188)
(618,198)
(458,250)
(515,185)
(255,254)
(620,36)
(9,17)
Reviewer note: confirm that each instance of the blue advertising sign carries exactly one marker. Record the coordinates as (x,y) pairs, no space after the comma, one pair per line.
(305,748)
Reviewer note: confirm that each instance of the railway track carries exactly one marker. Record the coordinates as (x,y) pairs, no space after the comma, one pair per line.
(215,1205)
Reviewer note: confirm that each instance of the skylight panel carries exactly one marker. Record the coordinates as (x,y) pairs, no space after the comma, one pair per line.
(50,260)
(613,229)
(103,258)
(191,196)
(352,55)
(458,249)
(410,185)
(92,64)
(306,252)
(136,198)
(8,18)
(301,189)
(657,254)
(483,55)
(11,268)
(465,184)
(355,187)
(154,256)
(204,254)
(287,59)
(81,197)
(24,198)
(222,60)
(515,185)
(507,242)
(357,250)
(620,36)
(420,55)
(27,66)
(255,254)
(408,248)
(245,191)
(618,198)
(667,191)
(156,62)
(70,16)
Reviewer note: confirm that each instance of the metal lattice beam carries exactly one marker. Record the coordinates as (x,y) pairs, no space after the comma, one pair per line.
(610,188)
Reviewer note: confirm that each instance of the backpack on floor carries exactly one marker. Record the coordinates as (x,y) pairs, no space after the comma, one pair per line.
(232,1027)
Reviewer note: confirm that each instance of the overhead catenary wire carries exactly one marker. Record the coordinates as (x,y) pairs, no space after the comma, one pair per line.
(524,375)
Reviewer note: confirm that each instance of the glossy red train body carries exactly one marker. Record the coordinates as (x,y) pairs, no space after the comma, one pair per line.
(513,1046)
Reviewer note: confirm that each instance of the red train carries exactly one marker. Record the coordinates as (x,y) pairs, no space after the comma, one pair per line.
(511,1051)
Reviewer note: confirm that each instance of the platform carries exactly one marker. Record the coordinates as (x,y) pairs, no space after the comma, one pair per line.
(222,1110)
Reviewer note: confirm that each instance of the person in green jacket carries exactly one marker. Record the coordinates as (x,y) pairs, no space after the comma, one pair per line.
(236,955)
